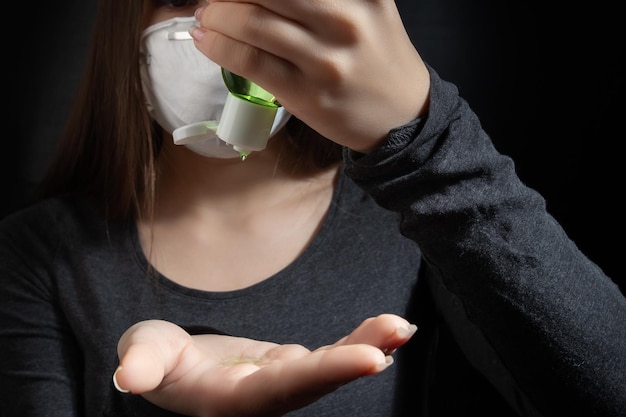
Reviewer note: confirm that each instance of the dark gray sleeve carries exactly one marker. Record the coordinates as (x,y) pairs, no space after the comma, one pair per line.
(530,311)
(41,365)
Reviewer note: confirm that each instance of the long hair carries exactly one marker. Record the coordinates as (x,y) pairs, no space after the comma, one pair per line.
(110,144)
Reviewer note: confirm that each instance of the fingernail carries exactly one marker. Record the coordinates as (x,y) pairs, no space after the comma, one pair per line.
(198,12)
(406,332)
(117,386)
(384,365)
(197,33)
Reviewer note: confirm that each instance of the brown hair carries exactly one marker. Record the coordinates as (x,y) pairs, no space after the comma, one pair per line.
(110,144)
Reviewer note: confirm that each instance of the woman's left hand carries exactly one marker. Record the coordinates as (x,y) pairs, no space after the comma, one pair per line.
(346,68)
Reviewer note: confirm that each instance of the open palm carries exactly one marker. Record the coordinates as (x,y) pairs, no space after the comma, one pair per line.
(215,375)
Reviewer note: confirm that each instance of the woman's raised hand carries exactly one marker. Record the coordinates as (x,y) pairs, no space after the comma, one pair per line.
(215,375)
(346,68)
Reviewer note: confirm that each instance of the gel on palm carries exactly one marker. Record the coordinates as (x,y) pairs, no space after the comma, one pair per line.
(248,115)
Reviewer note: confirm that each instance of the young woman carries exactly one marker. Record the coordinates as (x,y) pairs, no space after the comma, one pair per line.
(155,278)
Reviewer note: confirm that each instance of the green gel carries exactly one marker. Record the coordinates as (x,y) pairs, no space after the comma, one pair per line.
(247,90)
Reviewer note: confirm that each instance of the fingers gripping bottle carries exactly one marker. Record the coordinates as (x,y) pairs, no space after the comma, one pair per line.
(248,115)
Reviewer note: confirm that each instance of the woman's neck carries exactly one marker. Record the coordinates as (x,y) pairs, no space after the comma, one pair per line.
(210,212)
(231,185)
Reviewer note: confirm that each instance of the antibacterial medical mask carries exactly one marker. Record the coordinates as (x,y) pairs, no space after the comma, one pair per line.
(185,89)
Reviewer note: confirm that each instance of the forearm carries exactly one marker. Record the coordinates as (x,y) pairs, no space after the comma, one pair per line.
(491,244)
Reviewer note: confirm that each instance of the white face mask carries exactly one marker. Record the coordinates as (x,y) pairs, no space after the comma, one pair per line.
(185,89)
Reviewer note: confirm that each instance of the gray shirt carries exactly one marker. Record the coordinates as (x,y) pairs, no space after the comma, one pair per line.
(434,226)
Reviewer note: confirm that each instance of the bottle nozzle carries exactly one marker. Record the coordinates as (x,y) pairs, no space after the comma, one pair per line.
(248,115)
(245,125)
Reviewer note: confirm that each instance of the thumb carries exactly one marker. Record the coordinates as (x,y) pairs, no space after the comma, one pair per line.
(148,351)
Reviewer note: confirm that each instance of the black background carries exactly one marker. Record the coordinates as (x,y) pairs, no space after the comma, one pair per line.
(546,79)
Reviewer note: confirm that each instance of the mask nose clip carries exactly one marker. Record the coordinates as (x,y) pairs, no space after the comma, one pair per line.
(179,36)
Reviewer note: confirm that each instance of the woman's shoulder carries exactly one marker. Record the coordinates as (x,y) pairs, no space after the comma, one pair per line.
(356,216)
(350,198)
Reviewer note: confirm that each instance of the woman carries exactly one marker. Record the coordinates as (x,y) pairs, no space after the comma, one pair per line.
(205,285)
